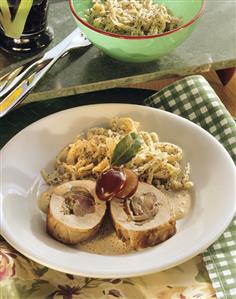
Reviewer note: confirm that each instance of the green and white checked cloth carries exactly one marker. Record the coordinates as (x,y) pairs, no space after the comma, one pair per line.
(194,99)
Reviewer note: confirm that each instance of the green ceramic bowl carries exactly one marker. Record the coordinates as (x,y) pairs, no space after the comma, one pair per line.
(141,48)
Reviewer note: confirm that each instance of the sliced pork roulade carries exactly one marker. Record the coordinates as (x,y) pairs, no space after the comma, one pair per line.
(75,213)
(145,219)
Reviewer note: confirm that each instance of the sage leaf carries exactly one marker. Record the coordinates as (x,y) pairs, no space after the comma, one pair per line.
(126,149)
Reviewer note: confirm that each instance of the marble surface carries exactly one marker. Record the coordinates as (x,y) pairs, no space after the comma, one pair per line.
(211,46)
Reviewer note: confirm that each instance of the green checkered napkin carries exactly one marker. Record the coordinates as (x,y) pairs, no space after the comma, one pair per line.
(194,99)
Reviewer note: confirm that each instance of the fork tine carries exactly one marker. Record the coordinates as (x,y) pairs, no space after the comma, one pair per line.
(3,80)
(6,79)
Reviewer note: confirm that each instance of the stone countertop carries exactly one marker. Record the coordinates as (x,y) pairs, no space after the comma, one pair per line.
(211,46)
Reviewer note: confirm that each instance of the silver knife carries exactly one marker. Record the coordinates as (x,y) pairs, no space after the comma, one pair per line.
(17,84)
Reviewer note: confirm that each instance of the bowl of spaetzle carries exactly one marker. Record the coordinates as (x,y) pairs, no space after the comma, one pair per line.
(70,150)
(137,30)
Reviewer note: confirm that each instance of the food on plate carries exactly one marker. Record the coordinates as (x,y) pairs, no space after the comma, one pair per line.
(141,179)
(156,162)
(44,199)
(145,219)
(180,202)
(130,186)
(121,183)
(109,183)
(75,213)
(131,17)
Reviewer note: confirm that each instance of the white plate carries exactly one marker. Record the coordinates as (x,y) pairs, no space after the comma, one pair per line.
(35,148)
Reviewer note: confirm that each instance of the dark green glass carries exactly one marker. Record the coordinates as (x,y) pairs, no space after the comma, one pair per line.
(36,34)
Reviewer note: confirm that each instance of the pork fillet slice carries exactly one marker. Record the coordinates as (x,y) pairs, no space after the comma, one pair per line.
(75,212)
(145,219)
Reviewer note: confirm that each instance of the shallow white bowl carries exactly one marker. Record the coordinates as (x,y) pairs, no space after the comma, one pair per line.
(35,148)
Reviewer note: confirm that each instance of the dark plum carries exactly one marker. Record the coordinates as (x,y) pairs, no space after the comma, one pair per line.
(110,183)
(130,186)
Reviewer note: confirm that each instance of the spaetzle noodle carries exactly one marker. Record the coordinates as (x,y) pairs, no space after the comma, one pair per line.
(158,163)
(131,17)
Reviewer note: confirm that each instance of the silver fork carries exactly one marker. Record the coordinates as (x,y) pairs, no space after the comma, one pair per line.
(17,84)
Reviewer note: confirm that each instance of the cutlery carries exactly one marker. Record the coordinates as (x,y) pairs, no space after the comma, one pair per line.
(17,84)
